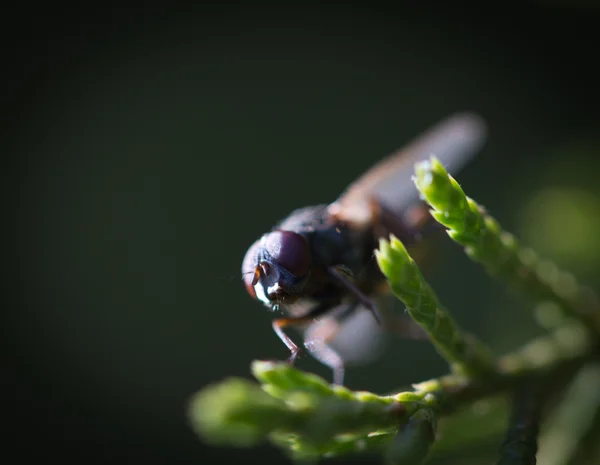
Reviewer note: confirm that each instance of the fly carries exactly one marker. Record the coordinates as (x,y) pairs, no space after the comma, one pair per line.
(317,264)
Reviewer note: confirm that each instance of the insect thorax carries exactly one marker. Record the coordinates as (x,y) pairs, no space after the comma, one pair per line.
(332,243)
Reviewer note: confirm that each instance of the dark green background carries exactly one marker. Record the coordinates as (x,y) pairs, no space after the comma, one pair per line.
(150,148)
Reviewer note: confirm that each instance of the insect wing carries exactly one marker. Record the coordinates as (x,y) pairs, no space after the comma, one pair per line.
(356,339)
(454,141)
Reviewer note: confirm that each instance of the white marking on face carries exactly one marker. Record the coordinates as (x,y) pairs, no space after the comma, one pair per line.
(272,289)
(260,293)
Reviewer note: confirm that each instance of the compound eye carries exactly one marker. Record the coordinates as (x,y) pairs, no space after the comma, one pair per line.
(289,250)
(249,282)
(249,268)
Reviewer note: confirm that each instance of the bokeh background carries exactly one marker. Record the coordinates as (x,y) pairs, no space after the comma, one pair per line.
(149,148)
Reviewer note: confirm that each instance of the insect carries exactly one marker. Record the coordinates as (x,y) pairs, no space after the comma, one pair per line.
(317,266)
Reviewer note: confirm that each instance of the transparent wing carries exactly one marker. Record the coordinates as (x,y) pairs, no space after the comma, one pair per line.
(357,339)
(354,340)
(453,141)
(360,339)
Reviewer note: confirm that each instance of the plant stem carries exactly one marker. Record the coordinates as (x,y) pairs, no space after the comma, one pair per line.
(310,418)
(569,347)
(498,251)
(466,355)
(521,443)
(412,442)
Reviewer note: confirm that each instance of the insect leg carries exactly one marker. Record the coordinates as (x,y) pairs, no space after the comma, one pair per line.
(281,323)
(316,338)
(344,337)
(342,277)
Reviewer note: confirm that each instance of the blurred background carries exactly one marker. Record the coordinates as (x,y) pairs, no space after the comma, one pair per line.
(148,149)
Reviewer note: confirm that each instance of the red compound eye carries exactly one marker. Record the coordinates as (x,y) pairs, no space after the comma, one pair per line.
(249,268)
(289,250)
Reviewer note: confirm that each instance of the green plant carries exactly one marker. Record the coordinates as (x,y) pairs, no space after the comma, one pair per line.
(309,418)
